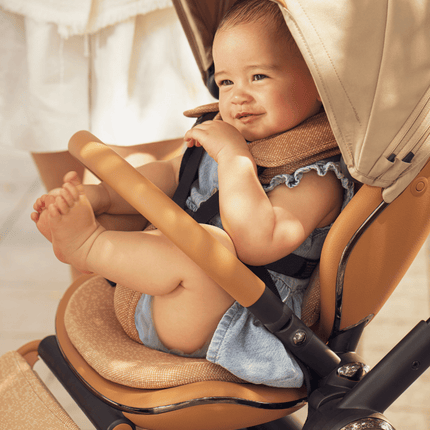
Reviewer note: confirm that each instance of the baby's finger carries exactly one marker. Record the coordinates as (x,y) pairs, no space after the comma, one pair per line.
(192,142)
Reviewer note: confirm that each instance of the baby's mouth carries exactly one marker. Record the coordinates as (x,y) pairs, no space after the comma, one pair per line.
(247,117)
(243,115)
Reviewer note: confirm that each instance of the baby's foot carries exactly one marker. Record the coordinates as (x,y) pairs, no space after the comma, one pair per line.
(40,216)
(73,225)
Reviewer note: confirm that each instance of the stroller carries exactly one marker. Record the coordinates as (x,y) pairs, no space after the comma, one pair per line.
(385,147)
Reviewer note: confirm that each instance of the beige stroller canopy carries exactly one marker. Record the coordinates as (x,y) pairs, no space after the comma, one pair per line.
(371,64)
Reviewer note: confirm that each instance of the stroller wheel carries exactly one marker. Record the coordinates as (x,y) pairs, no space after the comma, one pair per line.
(369,424)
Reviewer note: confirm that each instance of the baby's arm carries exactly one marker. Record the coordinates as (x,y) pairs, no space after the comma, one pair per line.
(265,227)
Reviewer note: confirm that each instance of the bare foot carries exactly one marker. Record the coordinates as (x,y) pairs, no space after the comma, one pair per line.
(68,191)
(72,224)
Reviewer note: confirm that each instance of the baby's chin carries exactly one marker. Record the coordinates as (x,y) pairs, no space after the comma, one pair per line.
(251,134)
(252,137)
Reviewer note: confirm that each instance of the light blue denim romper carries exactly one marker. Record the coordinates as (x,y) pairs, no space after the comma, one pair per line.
(240,343)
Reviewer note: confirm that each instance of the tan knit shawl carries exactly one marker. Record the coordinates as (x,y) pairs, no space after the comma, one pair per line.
(284,153)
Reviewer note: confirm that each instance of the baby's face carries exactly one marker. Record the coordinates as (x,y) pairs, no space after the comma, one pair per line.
(265,85)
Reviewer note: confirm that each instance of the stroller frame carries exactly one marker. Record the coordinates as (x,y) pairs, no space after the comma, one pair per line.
(355,279)
(339,396)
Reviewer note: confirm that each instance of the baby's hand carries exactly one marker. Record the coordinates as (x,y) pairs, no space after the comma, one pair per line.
(215,136)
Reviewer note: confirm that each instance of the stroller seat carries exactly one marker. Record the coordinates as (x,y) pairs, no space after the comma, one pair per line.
(345,261)
(155,389)
(167,390)
(380,117)
(182,393)
(95,332)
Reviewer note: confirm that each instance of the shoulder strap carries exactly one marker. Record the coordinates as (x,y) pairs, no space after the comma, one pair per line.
(190,160)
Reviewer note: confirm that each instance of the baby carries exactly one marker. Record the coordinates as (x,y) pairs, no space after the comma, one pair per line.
(265,89)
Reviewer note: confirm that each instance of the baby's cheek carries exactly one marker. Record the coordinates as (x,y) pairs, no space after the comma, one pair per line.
(288,115)
(224,108)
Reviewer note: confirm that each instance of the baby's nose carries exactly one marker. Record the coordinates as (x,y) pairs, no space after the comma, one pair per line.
(241,96)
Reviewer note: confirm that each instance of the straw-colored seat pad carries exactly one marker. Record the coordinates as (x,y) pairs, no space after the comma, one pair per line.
(25,401)
(95,332)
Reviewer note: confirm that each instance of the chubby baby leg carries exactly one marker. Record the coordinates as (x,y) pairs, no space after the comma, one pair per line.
(186,318)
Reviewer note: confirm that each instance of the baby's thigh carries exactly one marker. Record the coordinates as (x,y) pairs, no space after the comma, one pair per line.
(187,317)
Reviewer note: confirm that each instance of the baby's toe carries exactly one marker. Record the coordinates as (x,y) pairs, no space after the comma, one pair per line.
(73,178)
(40,203)
(35,216)
(71,191)
(70,194)
(62,205)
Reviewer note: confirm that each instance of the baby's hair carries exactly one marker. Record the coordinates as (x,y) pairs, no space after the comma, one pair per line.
(248,11)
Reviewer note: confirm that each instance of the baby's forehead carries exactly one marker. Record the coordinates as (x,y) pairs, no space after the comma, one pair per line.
(258,45)
(265,28)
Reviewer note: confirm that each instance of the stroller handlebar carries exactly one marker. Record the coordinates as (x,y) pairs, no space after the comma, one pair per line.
(169,218)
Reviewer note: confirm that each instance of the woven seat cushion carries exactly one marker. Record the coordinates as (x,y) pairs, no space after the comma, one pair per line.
(25,401)
(95,332)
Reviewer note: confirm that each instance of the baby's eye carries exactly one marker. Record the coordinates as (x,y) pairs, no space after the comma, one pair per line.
(225,82)
(259,77)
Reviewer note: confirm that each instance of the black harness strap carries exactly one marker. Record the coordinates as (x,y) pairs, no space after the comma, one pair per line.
(293,265)
(191,159)
(188,171)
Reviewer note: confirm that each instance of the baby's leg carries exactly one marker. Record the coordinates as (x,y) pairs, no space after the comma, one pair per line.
(186,318)
(187,304)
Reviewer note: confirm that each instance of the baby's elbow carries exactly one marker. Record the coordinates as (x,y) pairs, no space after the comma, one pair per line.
(262,253)
(253,260)
(255,255)
(250,252)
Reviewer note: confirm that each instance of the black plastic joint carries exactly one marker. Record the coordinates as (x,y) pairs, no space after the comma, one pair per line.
(304,344)
(270,310)
(297,338)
